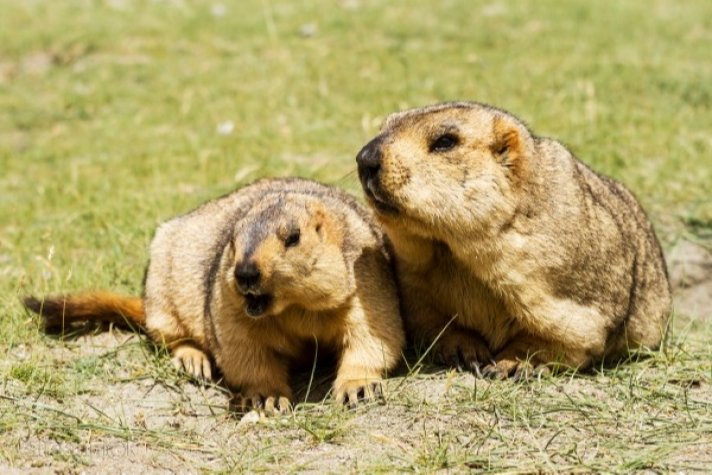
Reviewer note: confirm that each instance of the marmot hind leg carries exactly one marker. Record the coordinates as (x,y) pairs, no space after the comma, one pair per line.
(526,356)
(452,344)
(462,348)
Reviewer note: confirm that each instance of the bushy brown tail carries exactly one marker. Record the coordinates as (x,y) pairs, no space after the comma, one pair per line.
(62,310)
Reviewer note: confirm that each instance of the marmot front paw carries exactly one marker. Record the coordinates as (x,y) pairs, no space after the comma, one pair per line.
(462,349)
(272,402)
(193,361)
(517,369)
(354,391)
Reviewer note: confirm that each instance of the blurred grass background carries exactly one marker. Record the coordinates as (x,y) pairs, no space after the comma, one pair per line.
(110,110)
(116,115)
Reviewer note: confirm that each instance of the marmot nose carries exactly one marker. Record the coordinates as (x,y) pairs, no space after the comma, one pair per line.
(247,275)
(369,159)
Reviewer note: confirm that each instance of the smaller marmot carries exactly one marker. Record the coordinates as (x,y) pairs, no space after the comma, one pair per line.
(255,279)
(510,252)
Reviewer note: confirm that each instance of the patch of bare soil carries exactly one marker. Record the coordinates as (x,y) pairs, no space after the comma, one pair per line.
(690,267)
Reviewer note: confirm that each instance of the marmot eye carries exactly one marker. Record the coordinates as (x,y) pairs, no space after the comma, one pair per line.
(444,143)
(293,239)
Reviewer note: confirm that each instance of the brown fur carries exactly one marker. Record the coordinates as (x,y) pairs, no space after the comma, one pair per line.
(60,313)
(325,276)
(534,257)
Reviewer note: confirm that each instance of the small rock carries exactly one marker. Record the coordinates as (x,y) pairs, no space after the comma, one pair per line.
(226,127)
(36,64)
(252,417)
(494,10)
(308,30)
(350,4)
(218,10)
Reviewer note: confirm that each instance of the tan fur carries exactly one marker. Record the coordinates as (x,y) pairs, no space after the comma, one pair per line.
(531,254)
(332,287)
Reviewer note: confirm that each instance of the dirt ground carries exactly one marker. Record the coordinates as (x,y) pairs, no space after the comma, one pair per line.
(146,419)
(690,267)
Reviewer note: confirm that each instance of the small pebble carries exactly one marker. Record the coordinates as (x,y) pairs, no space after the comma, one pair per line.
(226,127)
(308,30)
(252,417)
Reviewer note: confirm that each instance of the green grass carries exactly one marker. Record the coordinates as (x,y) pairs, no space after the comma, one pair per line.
(109,117)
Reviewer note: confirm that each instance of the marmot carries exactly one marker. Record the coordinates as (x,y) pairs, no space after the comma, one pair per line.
(510,252)
(253,280)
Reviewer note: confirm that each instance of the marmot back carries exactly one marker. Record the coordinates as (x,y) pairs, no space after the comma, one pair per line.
(537,258)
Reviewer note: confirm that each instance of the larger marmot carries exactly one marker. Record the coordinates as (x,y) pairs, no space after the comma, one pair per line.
(253,280)
(510,252)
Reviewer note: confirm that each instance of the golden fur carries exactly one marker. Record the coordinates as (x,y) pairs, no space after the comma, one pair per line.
(535,258)
(253,279)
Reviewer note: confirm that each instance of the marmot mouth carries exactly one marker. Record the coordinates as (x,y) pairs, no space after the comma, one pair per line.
(257,304)
(374,194)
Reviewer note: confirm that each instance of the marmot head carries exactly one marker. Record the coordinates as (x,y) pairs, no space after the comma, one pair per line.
(452,167)
(287,251)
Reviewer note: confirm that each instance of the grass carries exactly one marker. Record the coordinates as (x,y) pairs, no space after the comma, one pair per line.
(116,115)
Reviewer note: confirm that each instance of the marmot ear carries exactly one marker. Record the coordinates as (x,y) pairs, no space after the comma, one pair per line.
(322,222)
(318,216)
(508,146)
(231,248)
